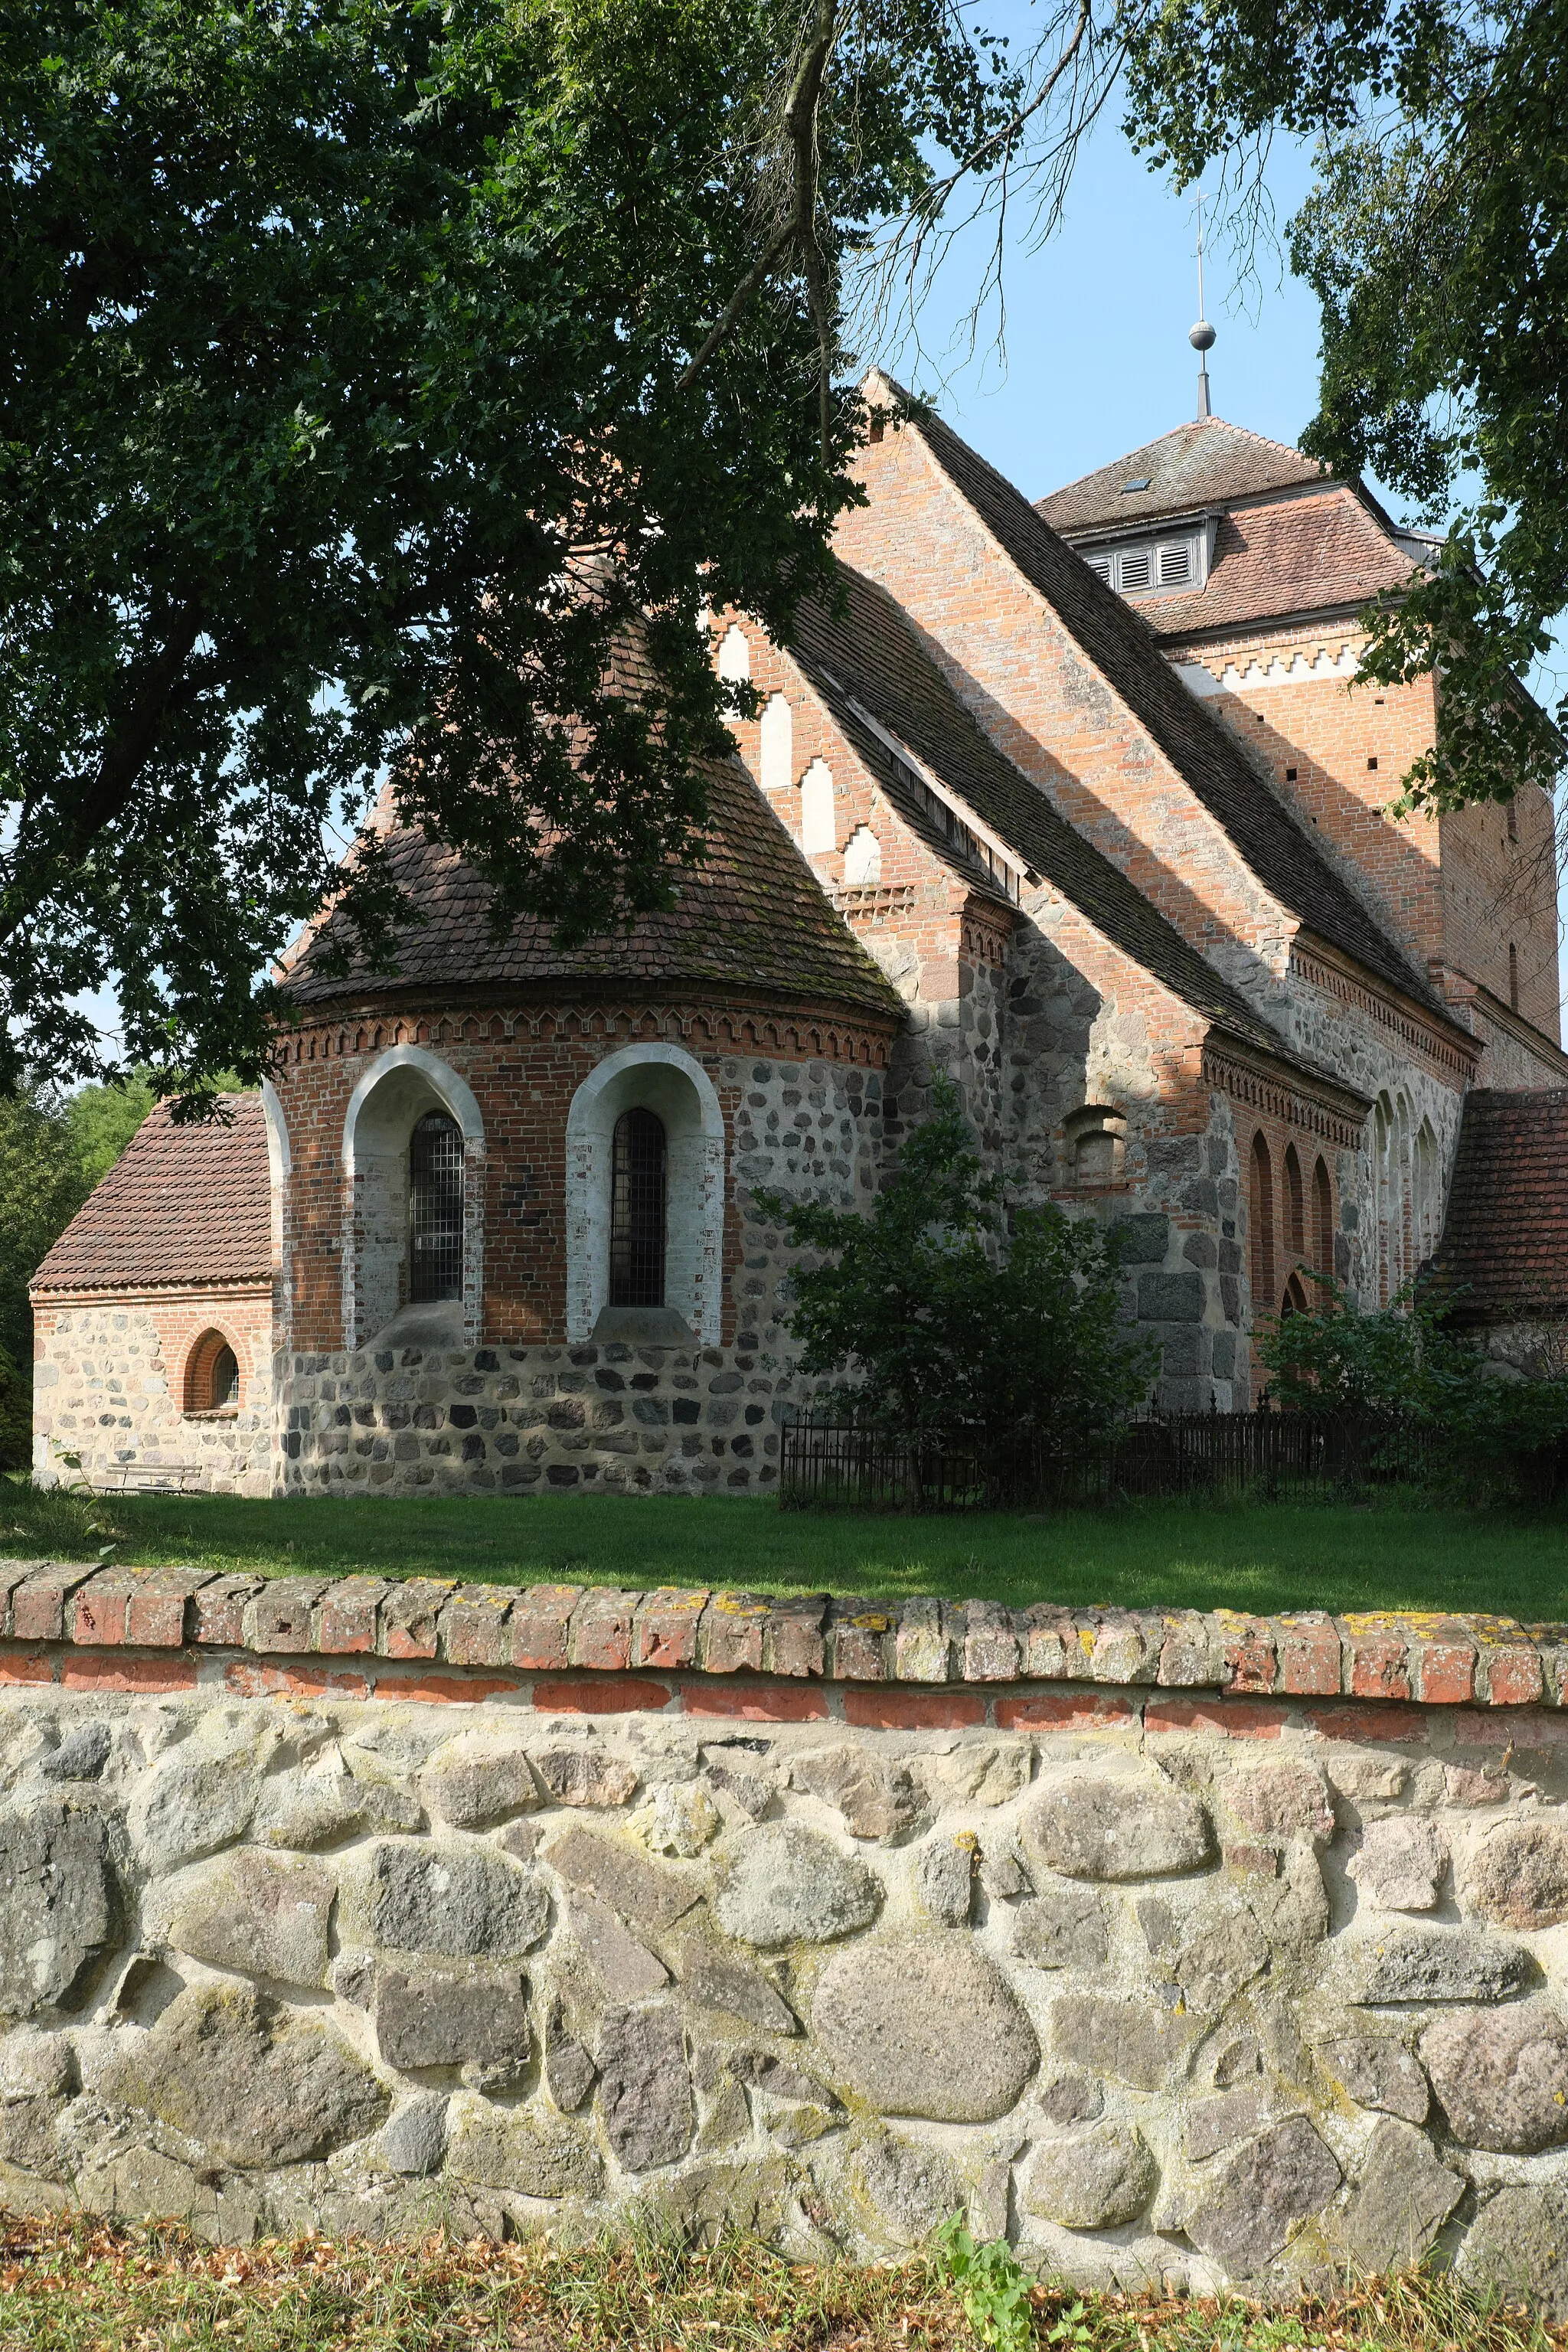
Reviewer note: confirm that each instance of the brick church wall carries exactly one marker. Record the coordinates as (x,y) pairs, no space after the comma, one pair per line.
(1036,1018)
(524,1067)
(109,1384)
(514,1416)
(1457,889)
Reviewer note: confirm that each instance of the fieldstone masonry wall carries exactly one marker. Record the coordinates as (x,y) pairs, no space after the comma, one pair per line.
(515,1419)
(1175,1948)
(109,1380)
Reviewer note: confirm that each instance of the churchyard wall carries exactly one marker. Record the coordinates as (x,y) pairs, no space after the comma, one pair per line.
(1175,1948)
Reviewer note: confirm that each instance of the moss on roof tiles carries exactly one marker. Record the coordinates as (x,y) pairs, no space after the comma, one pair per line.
(751,916)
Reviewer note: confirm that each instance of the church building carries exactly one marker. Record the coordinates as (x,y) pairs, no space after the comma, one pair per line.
(1072,801)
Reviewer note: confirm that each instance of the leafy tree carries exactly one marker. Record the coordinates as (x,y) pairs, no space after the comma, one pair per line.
(376,377)
(103,1119)
(1437,241)
(956,1321)
(52,1153)
(42,1185)
(1406,1360)
(386,387)
(1401,1358)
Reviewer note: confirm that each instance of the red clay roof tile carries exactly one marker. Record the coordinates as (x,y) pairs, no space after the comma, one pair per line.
(1293,555)
(753,917)
(183,1205)
(1205,463)
(1504,1253)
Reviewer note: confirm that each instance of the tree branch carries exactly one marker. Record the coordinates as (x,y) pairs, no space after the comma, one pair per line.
(799,118)
(131,745)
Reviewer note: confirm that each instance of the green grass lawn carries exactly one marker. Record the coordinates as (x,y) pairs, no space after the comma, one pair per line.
(1257,1555)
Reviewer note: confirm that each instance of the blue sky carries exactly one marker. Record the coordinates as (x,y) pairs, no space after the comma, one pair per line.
(1097,358)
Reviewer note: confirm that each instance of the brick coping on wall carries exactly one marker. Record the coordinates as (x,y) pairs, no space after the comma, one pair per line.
(801,1658)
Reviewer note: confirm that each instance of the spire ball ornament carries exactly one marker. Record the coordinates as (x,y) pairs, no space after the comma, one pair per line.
(1202,336)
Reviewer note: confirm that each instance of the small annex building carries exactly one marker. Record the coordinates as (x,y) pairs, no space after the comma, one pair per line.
(1073,802)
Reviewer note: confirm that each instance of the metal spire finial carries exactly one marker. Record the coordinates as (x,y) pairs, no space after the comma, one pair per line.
(1202,336)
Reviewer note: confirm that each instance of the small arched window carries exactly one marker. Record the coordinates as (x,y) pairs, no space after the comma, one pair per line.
(436,1209)
(1261,1205)
(637,1211)
(212,1376)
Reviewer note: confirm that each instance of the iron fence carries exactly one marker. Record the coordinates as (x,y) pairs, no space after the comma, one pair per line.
(834,1461)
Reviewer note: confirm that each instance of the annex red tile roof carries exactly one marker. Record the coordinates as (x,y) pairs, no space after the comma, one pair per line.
(753,917)
(183,1205)
(1504,1253)
(1207,462)
(1292,555)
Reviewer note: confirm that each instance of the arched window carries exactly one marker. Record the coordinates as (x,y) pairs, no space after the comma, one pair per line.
(1382,1144)
(1261,1205)
(637,1211)
(668,1083)
(1428,1194)
(1294,1207)
(212,1376)
(435,1208)
(1294,1300)
(1322,1219)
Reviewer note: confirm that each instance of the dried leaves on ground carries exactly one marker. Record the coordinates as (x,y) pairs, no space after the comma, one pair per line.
(69,2287)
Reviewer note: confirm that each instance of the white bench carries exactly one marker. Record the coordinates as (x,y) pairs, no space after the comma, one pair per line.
(147,1478)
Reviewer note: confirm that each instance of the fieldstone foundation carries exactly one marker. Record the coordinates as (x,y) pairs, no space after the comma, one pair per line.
(1177,1987)
(500,1420)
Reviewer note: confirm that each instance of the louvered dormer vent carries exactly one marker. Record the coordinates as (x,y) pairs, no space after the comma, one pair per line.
(1140,567)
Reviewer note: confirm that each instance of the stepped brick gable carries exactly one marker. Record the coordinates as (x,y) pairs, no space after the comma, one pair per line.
(1072,802)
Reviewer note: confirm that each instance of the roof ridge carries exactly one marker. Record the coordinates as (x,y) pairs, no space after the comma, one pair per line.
(1123,648)
(1090,880)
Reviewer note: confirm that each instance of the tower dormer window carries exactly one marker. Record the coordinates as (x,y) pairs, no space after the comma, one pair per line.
(1142,567)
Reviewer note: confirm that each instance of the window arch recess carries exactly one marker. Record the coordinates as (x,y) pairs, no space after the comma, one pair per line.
(212,1375)
(405,1087)
(672,1086)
